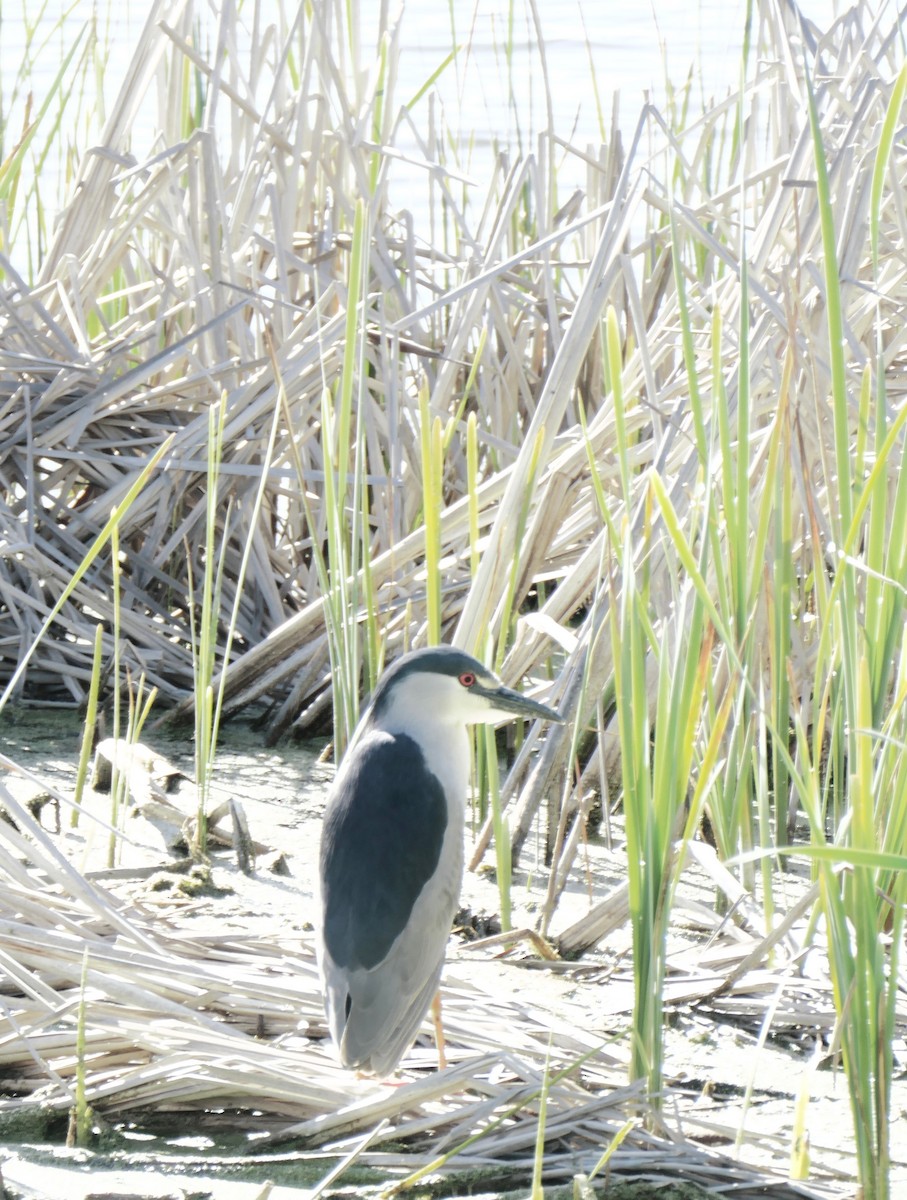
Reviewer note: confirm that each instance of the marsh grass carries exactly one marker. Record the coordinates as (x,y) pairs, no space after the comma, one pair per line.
(42,135)
(203,627)
(80,1117)
(642,448)
(89,728)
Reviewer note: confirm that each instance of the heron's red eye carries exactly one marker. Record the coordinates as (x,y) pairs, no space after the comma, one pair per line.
(467,679)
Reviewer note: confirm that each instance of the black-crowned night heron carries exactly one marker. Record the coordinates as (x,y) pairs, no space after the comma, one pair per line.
(391,859)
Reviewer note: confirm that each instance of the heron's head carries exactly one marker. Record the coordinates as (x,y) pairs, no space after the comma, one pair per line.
(445,685)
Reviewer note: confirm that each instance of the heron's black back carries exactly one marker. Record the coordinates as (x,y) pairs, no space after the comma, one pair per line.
(381,843)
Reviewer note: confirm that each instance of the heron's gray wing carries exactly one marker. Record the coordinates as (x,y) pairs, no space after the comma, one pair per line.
(386,1008)
(380,844)
(389,889)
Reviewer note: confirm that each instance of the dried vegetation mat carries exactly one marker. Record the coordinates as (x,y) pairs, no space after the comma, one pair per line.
(164,1012)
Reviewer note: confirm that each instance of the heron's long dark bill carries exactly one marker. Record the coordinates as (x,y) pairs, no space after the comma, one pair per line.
(508,703)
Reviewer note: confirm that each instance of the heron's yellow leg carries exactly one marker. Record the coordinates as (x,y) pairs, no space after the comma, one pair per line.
(439,1030)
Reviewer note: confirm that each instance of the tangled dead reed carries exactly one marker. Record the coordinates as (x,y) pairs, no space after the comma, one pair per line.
(217,267)
(180,1022)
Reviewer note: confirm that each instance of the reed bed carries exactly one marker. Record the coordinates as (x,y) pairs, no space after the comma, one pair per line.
(187,1025)
(644,448)
(262,314)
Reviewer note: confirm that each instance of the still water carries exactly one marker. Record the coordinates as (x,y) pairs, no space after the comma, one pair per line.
(493,92)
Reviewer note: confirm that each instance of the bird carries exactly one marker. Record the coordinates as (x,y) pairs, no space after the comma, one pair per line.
(391,850)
